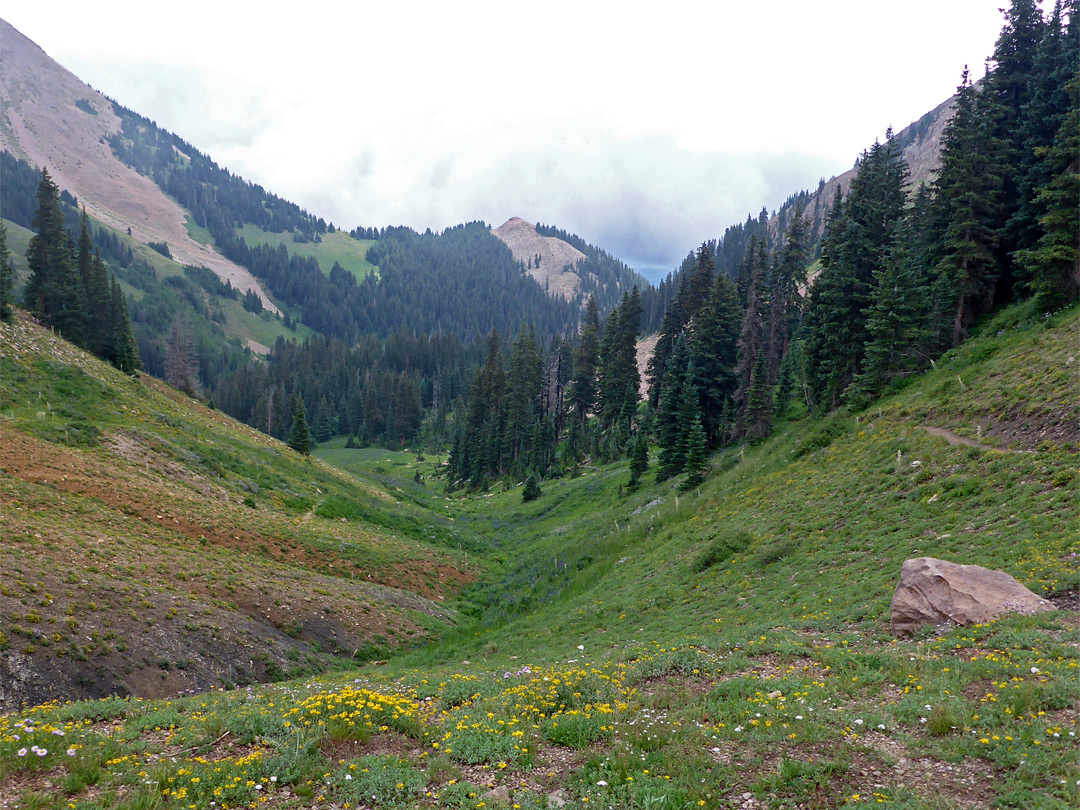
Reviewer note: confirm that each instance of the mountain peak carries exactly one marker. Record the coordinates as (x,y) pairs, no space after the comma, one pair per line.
(549,261)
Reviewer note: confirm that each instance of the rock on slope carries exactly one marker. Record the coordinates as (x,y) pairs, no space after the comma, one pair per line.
(557,270)
(50,118)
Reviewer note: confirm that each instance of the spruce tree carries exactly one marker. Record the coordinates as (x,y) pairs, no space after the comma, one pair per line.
(858,238)
(531,491)
(639,459)
(759,404)
(666,424)
(1006,97)
(896,324)
(1053,263)
(694,291)
(697,457)
(1048,102)
(300,435)
(751,332)
(713,352)
(969,198)
(583,385)
(54,290)
(99,324)
(124,348)
(689,415)
(7,276)
(786,293)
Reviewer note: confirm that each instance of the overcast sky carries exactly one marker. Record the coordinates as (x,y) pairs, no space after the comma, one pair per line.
(645,128)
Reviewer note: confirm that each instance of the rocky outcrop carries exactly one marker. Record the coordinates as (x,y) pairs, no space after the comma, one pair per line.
(550,262)
(938,592)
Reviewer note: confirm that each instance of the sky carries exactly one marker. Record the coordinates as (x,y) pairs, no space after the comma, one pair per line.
(644,128)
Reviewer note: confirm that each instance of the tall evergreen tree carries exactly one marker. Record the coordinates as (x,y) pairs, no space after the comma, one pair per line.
(759,403)
(667,424)
(689,415)
(751,341)
(858,238)
(1008,91)
(618,357)
(7,276)
(786,292)
(54,291)
(693,294)
(583,386)
(123,348)
(1053,262)
(697,457)
(300,435)
(1048,102)
(713,352)
(969,196)
(639,459)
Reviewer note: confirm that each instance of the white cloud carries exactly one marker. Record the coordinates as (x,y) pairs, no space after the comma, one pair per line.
(644,128)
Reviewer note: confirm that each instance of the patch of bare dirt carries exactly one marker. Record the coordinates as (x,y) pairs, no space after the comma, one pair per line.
(643,353)
(968,783)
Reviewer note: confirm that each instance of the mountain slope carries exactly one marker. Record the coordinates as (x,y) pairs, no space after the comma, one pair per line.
(50,118)
(152,545)
(550,262)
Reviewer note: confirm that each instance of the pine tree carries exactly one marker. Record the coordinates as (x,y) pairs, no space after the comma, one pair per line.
(689,415)
(858,237)
(7,276)
(696,287)
(759,404)
(1010,80)
(531,490)
(618,357)
(125,350)
(1053,263)
(697,457)
(786,293)
(300,436)
(522,398)
(713,352)
(53,292)
(896,324)
(969,198)
(751,332)
(99,324)
(583,385)
(1048,102)
(667,424)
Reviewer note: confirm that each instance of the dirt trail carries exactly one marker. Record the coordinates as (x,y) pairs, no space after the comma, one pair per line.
(952,438)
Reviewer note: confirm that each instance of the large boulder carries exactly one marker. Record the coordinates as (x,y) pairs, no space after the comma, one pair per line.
(938,592)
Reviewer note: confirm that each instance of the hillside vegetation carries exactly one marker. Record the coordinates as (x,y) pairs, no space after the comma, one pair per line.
(153,545)
(727,647)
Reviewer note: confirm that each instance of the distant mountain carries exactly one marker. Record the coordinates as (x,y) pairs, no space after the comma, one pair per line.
(921,144)
(566,266)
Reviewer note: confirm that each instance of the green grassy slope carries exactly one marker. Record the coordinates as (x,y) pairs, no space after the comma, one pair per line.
(727,647)
(338,247)
(151,544)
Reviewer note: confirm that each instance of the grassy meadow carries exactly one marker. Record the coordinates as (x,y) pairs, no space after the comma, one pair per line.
(338,247)
(725,647)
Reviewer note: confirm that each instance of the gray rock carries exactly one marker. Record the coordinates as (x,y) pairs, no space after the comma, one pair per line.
(938,592)
(501,795)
